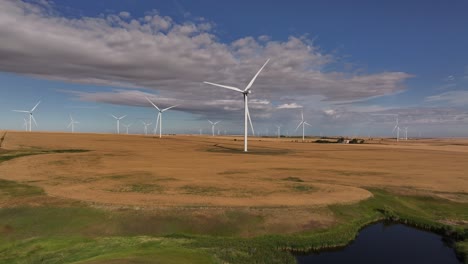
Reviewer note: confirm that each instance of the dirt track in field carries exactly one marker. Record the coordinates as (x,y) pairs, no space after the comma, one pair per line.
(180,171)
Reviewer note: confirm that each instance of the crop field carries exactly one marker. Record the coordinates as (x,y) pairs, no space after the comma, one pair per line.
(99,198)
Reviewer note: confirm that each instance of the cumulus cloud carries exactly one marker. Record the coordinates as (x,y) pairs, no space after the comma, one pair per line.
(455,98)
(172,58)
(289,106)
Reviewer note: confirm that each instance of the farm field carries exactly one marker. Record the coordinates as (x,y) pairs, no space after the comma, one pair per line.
(99,198)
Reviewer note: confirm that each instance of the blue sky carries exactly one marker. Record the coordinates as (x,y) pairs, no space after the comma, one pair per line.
(350,65)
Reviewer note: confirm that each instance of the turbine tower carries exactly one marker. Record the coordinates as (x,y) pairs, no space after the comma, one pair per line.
(279,130)
(397,128)
(146,127)
(213,126)
(406,133)
(303,123)
(159,118)
(31,116)
(245,92)
(118,122)
(127,126)
(25,124)
(72,124)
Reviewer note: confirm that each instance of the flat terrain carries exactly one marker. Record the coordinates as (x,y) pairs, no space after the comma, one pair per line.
(142,185)
(210,171)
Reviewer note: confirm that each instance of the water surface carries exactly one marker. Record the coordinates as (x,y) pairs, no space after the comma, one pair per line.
(389,244)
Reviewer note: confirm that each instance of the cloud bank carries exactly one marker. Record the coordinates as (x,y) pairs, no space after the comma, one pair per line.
(171,58)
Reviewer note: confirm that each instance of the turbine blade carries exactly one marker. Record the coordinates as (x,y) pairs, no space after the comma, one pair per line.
(210,122)
(250,120)
(35,106)
(122,117)
(152,103)
(21,111)
(302,116)
(69,125)
(165,109)
(299,125)
(114,116)
(217,122)
(394,128)
(307,124)
(34,119)
(225,86)
(255,77)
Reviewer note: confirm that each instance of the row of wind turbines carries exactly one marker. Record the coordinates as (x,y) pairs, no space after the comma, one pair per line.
(247,119)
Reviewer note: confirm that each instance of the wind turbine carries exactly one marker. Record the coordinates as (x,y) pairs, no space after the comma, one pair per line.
(406,133)
(279,130)
(159,118)
(118,122)
(245,92)
(127,126)
(72,124)
(31,117)
(303,123)
(397,128)
(146,127)
(213,126)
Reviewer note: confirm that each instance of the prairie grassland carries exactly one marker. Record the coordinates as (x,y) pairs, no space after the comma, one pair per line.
(101,198)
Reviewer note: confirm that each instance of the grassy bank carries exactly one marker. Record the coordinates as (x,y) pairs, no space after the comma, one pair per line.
(54,230)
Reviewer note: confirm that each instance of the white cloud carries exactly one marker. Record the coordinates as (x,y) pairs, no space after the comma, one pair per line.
(455,98)
(289,106)
(172,58)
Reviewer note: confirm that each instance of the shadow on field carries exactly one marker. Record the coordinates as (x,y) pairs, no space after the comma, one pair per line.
(234,149)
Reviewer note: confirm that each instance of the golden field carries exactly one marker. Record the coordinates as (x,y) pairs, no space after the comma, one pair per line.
(213,174)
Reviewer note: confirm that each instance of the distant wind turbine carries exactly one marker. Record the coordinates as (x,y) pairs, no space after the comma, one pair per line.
(406,133)
(31,117)
(279,130)
(397,128)
(118,122)
(72,124)
(25,124)
(127,126)
(303,123)
(213,124)
(159,118)
(146,127)
(245,92)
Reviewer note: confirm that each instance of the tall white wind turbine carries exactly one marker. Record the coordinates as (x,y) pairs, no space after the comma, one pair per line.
(31,116)
(72,124)
(406,133)
(213,124)
(302,123)
(245,92)
(146,127)
(127,126)
(159,118)
(118,122)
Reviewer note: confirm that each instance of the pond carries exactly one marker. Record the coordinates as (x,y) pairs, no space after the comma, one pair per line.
(389,243)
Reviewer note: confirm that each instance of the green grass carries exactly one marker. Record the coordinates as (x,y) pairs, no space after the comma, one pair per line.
(75,233)
(8,155)
(14,189)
